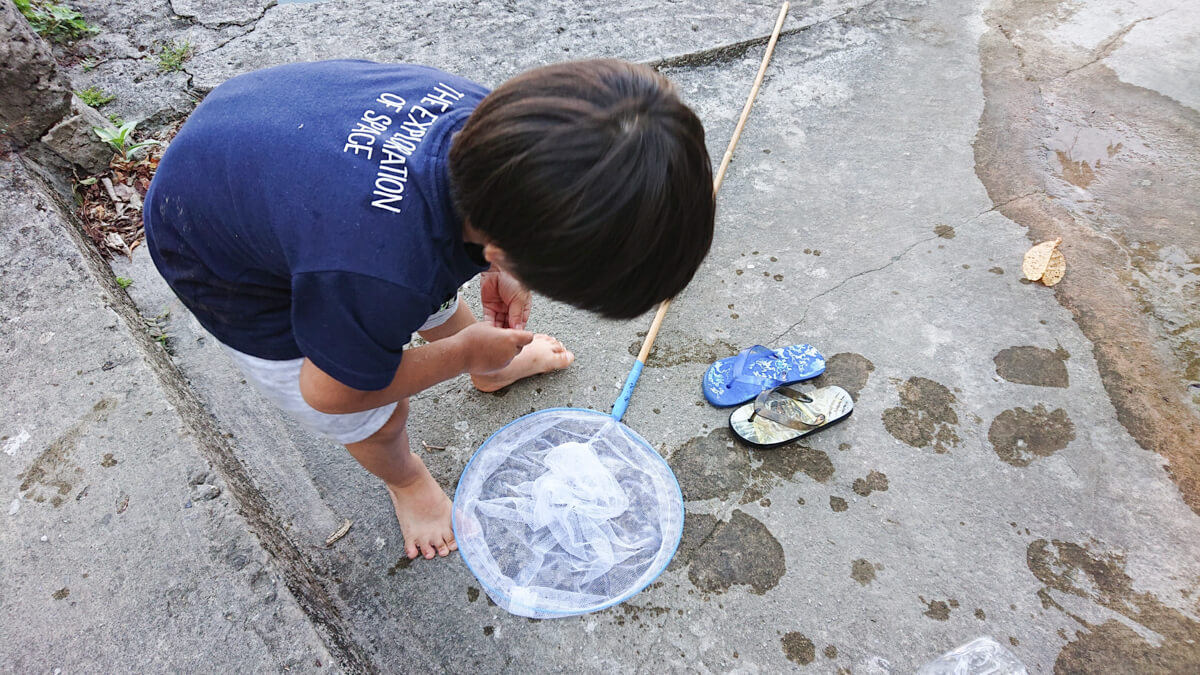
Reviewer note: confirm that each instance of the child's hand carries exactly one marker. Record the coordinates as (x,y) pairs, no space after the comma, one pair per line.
(489,349)
(505,300)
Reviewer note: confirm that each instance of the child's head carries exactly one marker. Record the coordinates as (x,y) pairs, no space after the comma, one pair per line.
(592,177)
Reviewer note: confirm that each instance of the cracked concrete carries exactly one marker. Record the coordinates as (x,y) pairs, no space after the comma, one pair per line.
(900,159)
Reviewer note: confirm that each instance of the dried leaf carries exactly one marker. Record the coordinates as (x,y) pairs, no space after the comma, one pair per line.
(1056,269)
(339,533)
(1037,259)
(116,243)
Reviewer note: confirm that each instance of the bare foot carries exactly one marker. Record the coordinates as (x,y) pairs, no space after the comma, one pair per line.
(424,514)
(542,355)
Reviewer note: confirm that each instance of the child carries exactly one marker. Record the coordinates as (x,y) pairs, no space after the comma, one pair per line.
(313,216)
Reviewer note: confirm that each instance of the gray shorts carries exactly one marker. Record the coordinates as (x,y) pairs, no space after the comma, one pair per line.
(279,382)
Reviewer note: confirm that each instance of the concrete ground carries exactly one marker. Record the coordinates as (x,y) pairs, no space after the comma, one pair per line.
(1022,462)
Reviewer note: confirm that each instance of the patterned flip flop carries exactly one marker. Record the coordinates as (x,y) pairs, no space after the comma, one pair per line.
(737,379)
(783,414)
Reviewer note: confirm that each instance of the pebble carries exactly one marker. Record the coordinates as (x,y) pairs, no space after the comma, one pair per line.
(14,507)
(44,538)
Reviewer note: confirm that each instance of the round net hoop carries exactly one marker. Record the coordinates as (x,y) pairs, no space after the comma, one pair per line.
(566,511)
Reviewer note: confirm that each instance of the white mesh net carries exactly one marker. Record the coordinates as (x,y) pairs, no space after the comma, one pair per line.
(564,512)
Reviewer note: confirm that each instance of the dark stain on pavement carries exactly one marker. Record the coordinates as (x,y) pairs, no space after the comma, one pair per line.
(1033,365)
(838,504)
(1126,322)
(786,462)
(741,552)
(847,370)
(472,594)
(944,231)
(936,609)
(874,482)
(1020,436)
(697,528)
(831,652)
(925,416)
(711,466)
(1113,646)
(798,648)
(52,474)
(61,593)
(862,571)
(402,564)
(664,354)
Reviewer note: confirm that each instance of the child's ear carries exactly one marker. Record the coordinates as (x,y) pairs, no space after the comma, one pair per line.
(496,256)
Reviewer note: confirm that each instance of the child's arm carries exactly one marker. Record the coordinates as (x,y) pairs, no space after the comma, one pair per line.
(477,349)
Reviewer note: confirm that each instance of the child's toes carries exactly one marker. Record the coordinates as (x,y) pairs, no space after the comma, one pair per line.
(410,549)
(443,550)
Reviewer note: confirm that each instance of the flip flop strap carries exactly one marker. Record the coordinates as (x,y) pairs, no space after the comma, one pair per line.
(809,418)
(757,352)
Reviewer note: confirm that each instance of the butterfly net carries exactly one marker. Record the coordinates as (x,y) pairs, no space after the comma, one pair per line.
(564,512)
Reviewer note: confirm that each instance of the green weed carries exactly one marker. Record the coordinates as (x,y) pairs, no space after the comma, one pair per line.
(121,140)
(124,282)
(173,54)
(94,96)
(60,23)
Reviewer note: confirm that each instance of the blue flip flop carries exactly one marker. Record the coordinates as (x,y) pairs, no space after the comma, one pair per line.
(737,379)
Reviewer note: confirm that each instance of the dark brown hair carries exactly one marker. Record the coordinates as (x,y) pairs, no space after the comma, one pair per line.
(593,178)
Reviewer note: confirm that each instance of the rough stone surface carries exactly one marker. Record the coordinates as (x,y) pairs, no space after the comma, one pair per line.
(34,95)
(109,560)
(900,159)
(75,140)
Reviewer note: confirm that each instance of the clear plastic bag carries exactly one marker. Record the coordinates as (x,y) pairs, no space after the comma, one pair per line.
(564,512)
(981,656)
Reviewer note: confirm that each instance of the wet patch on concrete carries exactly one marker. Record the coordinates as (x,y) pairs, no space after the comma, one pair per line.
(937,610)
(741,552)
(61,594)
(944,231)
(925,416)
(697,528)
(711,466)
(715,467)
(874,482)
(1113,646)
(472,594)
(862,571)
(1020,436)
(831,652)
(402,564)
(52,474)
(1128,315)
(1033,365)
(847,370)
(980,614)
(837,504)
(789,460)
(798,648)
(665,355)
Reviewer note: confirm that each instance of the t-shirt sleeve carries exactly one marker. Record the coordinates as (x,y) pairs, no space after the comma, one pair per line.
(354,327)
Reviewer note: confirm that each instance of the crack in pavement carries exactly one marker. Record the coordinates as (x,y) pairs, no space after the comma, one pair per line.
(195,18)
(736,50)
(894,259)
(1110,45)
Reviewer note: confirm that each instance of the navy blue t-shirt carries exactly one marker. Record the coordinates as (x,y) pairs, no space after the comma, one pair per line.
(305,210)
